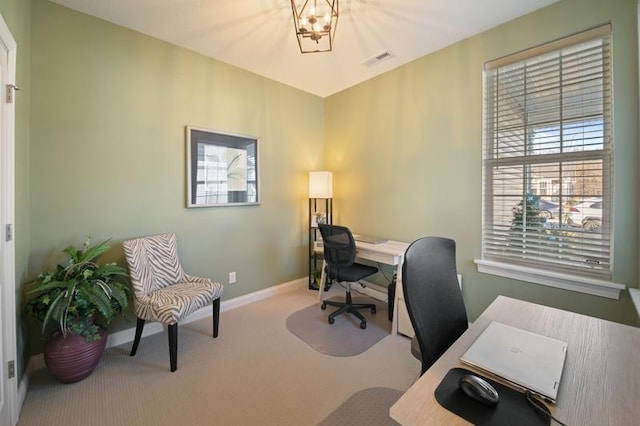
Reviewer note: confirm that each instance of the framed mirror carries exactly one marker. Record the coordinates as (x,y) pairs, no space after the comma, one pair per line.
(222,169)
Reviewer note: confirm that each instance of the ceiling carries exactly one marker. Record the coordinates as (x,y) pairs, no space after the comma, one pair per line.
(259,36)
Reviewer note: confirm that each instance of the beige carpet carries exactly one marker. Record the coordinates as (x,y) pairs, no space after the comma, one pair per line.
(255,373)
(344,337)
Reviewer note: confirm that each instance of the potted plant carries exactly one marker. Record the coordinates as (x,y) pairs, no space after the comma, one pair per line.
(77,300)
(316,275)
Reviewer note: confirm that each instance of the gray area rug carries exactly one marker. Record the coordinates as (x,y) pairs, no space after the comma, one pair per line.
(344,337)
(368,407)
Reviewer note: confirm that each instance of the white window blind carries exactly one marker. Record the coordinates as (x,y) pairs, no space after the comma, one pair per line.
(547,157)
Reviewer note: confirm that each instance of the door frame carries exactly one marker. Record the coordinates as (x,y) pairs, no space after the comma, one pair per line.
(7,218)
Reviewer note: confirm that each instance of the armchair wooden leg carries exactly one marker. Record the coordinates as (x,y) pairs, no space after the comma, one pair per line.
(136,340)
(173,346)
(216,316)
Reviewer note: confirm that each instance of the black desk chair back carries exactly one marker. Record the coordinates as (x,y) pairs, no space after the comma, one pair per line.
(433,297)
(340,255)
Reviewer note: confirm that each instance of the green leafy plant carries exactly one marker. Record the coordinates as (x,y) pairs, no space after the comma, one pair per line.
(80,295)
(315,278)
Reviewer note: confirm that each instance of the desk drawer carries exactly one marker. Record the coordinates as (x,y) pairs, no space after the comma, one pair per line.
(386,258)
(404,323)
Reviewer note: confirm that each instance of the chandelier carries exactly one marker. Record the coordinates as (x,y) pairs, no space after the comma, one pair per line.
(315,23)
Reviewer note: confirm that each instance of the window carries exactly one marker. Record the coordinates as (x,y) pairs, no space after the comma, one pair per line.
(547,163)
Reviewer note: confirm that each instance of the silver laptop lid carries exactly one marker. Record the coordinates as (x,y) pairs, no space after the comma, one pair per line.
(527,360)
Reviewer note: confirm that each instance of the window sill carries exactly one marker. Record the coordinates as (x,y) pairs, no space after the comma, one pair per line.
(551,279)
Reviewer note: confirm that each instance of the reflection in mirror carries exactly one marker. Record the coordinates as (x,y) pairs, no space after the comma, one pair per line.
(222,169)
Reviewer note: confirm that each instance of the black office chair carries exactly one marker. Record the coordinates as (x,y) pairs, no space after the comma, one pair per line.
(340,255)
(433,296)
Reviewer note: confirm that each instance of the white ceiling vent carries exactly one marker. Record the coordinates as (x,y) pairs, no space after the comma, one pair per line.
(382,56)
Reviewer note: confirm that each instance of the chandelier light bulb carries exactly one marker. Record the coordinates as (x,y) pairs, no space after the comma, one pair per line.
(327,22)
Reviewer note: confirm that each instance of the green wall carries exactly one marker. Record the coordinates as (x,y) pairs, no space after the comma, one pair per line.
(405,149)
(108,151)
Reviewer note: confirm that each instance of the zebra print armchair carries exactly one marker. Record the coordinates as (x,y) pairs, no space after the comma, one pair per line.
(163,291)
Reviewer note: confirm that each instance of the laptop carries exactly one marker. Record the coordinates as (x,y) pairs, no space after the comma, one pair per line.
(369,239)
(527,360)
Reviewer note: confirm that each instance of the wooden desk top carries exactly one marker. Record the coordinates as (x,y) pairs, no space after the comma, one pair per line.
(388,252)
(601,378)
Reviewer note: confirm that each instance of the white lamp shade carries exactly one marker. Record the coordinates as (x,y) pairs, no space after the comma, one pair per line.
(320,184)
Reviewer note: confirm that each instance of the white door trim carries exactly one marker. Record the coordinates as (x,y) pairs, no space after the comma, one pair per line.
(7,217)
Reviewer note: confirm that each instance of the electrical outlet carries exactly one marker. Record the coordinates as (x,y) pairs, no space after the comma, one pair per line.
(232,277)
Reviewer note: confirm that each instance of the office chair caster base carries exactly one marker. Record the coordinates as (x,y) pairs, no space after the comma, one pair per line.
(332,320)
(363,325)
(373,310)
(323,306)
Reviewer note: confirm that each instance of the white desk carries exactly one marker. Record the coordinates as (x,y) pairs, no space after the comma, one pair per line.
(388,253)
(600,382)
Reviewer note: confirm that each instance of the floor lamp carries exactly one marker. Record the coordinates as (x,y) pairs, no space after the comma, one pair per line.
(320,211)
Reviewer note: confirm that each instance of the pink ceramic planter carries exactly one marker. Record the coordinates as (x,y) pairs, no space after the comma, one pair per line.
(71,359)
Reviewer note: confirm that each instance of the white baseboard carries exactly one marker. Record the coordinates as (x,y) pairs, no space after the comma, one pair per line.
(36,362)
(265,293)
